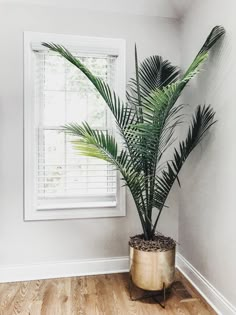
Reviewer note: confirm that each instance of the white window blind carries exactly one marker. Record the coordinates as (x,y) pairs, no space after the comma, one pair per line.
(64,95)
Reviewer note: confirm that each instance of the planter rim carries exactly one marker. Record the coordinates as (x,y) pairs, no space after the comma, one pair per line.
(154,251)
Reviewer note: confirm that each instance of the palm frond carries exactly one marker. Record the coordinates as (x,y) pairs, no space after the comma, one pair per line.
(216,33)
(94,143)
(160,103)
(99,144)
(152,74)
(202,120)
(122,113)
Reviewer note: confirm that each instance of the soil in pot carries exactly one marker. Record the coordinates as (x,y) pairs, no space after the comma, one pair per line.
(159,243)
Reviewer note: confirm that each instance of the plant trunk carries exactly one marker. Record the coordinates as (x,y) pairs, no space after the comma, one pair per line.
(149,231)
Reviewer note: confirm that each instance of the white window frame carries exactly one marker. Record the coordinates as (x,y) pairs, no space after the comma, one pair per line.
(82,44)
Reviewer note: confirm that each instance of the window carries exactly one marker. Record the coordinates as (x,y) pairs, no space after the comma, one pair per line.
(60,183)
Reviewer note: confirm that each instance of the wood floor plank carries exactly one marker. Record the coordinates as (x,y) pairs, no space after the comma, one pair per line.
(92,295)
(77,297)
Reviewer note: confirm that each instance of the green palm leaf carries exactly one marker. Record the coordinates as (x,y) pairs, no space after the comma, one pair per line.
(122,113)
(152,74)
(202,120)
(100,144)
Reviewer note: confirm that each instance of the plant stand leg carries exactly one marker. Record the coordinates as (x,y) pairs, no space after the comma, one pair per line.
(155,295)
(163,303)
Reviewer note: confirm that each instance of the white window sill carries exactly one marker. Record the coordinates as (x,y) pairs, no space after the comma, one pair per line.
(73,210)
(81,205)
(65,214)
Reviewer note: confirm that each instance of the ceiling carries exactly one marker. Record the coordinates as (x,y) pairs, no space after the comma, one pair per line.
(161,8)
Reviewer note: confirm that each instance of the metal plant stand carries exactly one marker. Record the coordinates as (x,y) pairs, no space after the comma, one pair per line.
(158,296)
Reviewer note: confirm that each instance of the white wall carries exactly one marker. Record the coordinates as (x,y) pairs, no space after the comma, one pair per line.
(34,242)
(207,233)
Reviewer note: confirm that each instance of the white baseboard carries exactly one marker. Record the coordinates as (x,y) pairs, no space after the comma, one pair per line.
(63,269)
(219,303)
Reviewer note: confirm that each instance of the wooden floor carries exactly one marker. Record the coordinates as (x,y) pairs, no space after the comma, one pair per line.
(92,295)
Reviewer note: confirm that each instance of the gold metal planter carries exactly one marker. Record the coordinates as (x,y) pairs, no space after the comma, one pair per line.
(150,270)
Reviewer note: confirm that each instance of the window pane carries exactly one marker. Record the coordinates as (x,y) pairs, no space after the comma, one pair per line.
(63,172)
(75,79)
(54,72)
(51,162)
(65,96)
(54,108)
(97,112)
(77,107)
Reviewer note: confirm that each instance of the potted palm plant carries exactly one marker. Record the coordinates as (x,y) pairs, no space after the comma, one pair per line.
(147,123)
